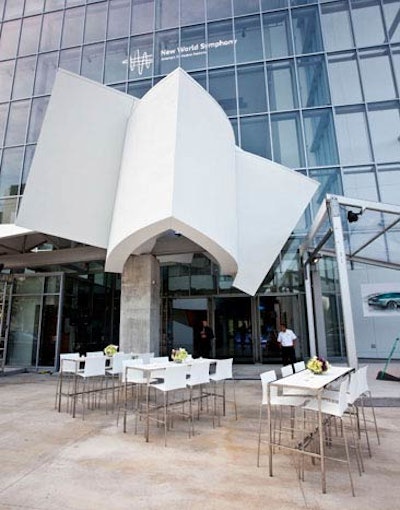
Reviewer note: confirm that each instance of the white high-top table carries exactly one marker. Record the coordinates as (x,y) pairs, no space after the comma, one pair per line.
(309,383)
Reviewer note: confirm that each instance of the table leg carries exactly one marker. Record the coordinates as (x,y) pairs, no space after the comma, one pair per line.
(147,408)
(269,420)
(321,444)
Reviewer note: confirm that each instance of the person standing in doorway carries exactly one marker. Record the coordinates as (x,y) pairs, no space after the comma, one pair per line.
(287,340)
(205,337)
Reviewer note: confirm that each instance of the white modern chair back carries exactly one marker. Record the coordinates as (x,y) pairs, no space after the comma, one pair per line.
(94,354)
(175,377)
(223,369)
(299,366)
(95,366)
(66,363)
(287,370)
(353,388)
(200,373)
(342,401)
(117,361)
(160,359)
(266,378)
(146,357)
(363,380)
(132,376)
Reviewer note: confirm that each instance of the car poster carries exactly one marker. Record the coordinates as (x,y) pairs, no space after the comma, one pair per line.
(381,299)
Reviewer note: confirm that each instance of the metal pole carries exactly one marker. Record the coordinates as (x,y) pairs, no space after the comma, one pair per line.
(310,311)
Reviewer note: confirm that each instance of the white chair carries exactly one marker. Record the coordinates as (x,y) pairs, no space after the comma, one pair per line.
(159,374)
(174,381)
(299,366)
(199,375)
(115,371)
(68,367)
(92,378)
(331,408)
(286,370)
(275,401)
(223,372)
(133,380)
(94,354)
(146,357)
(365,393)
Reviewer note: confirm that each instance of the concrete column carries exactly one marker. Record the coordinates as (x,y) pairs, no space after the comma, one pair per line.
(139,328)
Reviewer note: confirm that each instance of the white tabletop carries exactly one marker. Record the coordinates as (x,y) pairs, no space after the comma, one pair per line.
(307,380)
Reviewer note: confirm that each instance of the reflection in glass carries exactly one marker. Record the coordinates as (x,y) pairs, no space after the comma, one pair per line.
(282,85)
(23,332)
(166,52)
(167,13)
(52,5)
(255,136)
(141,57)
(8,210)
(95,25)
(320,138)
(335,19)
(142,16)
(70,60)
(33,7)
(241,7)
(3,119)
(306,30)
(116,58)
(330,182)
(352,134)
(220,43)
(201,78)
(192,48)
(9,39)
(396,65)
(248,39)
(17,122)
(139,88)
(39,106)
(13,9)
(277,36)
(384,122)
(344,79)
(29,153)
(11,169)
(93,62)
(313,82)
(286,138)
(223,88)
(192,12)
(389,183)
(30,34)
(217,9)
(377,75)
(73,27)
(391,12)
(46,72)
(235,127)
(24,76)
(360,182)
(251,89)
(51,31)
(366,15)
(118,18)
(6,76)
(273,4)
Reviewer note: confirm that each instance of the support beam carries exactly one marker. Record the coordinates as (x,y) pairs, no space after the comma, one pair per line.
(310,310)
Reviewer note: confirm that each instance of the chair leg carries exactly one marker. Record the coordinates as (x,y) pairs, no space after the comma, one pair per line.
(259,437)
(348,461)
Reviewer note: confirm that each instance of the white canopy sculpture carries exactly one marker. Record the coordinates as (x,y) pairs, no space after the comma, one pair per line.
(116,172)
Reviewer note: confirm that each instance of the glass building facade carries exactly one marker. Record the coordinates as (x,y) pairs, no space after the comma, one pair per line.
(313,85)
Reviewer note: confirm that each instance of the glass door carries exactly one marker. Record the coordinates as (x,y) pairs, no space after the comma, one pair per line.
(24,331)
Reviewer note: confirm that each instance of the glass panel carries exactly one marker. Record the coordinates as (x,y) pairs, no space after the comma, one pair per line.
(235,127)
(360,183)
(52,5)
(282,85)
(192,12)
(367,14)
(266,5)
(8,210)
(277,36)
(245,7)
(24,77)
(11,169)
(116,60)
(30,34)
(248,39)
(167,13)
(255,136)
(384,123)
(287,140)
(70,3)
(223,88)
(14,9)
(46,72)
(96,19)
(320,138)
(73,27)
(39,107)
(389,184)
(48,332)
(3,119)
(29,153)
(336,28)
(52,284)
(139,88)
(352,149)
(9,39)
(51,31)
(396,65)
(6,77)
(141,57)
(93,62)
(23,332)
(391,10)
(142,16)
(193,47)
(217,9)
(71,60)
(166,52)
(220,44)
(344,79)
(313,82)
(17,122)
(330,182)
(33,7)
(118,18)
(251,89)
(377,75)
(201,78)
(306,30)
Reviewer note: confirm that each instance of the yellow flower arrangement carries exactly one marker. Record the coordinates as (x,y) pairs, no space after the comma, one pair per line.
(179,355)
(318,365)
(110,350)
